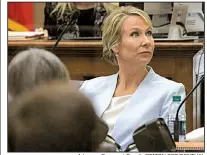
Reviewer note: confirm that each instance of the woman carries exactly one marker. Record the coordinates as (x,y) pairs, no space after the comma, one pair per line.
(136,94)
(34,67)
(88,24)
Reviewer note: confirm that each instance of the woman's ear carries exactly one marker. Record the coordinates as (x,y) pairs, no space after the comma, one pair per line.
(115,48)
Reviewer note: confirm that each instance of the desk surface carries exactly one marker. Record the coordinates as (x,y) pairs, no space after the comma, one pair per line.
(92,43)
(190,146)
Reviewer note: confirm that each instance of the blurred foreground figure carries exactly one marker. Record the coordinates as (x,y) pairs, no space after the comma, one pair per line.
(34,67)
(52,119)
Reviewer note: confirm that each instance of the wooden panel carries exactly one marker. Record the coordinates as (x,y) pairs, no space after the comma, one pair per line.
(84,60)
(164,66)
(94,66)
(182,74)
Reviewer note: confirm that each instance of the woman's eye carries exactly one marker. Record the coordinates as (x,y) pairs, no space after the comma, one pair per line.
(149,33)
(135,34)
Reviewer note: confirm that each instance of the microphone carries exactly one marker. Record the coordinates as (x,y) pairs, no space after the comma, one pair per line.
(153,136)
(74,15)
(176,124)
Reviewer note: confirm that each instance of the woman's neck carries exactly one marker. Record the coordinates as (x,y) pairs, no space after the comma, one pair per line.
(84,6)
(131,77)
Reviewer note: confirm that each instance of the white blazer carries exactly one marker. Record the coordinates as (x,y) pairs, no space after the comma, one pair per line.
(151,100)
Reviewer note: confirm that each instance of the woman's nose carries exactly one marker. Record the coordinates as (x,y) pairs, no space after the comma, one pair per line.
(145,40)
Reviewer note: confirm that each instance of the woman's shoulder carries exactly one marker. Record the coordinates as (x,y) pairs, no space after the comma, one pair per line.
(156,79)
(168,82)
(100,79)
(98,82)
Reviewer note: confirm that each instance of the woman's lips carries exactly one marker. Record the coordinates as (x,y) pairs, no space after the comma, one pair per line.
(145,52)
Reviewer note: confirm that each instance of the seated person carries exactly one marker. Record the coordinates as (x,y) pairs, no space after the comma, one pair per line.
(136,94)
(88,24)
(52,119)
(34,67)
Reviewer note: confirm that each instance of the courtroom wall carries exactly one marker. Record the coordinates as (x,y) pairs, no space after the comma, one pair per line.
(39,14)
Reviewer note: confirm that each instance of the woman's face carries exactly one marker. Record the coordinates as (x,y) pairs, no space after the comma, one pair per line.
(136,45)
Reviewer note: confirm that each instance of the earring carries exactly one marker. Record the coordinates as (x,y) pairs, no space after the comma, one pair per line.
(116,54)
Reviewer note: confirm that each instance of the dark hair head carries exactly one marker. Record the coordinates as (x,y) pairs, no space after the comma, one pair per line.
(53,119)
(34,67)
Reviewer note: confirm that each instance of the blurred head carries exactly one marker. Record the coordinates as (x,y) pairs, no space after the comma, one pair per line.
(52,119)
(127,37)
(34,67)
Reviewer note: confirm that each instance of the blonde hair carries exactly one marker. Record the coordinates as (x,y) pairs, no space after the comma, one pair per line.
(112,28)
(60,7)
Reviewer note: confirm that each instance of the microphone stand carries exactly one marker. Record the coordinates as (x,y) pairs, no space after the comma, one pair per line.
(73,17)
(176,124)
